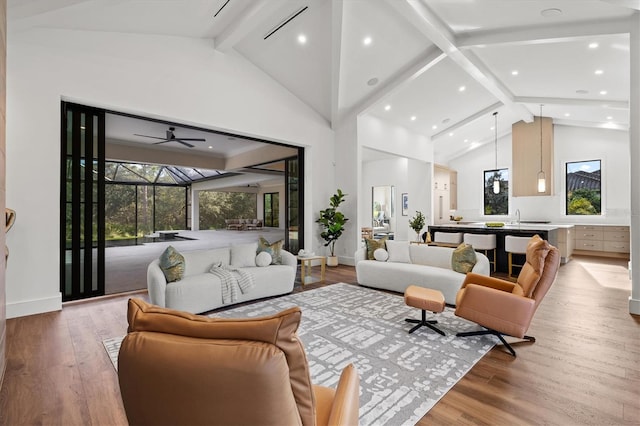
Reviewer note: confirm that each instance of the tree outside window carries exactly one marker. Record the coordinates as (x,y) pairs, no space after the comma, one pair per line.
(496,204)
(584,188)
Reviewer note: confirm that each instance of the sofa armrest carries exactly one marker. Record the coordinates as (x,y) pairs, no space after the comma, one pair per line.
(486,281)
(156,284)
(289,259)
(361,254)
(482,265)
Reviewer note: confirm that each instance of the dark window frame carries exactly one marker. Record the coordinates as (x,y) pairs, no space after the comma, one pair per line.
(488,195)
(588,181)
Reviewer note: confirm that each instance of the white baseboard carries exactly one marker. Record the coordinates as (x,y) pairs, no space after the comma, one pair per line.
(36,306)
(634,306)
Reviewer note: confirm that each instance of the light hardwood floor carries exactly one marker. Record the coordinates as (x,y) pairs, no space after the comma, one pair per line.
(583,369)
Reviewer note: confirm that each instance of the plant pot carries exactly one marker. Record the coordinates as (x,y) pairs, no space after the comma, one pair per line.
(332,260)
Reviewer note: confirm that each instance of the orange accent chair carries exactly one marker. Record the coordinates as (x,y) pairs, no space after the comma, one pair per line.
(505,308)
(178,368)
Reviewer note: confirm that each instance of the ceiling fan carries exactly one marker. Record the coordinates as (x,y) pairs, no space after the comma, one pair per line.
(171,137)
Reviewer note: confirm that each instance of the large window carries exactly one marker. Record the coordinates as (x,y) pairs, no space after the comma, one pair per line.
(496,204)
(584,188)
(215,207)
(271,209)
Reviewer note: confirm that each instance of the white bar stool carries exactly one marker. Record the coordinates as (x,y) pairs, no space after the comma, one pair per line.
(517,245)
(447,238)
(483,243)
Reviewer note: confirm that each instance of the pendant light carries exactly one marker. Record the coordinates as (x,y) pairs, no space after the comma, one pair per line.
(542,182)
(496,181)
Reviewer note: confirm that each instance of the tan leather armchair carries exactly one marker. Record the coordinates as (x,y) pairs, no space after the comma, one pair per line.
(505,308)
(177,368)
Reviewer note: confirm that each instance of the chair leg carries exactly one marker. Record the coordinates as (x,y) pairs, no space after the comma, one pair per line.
(495,333)
(424,322)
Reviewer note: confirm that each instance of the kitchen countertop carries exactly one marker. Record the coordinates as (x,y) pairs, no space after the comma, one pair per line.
(508,226)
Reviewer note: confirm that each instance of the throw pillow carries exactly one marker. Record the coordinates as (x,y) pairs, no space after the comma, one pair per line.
(463,258)
(274,249)
(373,245)
(381,255)
(172,264)
(398,251)
(263,259)
(243,255)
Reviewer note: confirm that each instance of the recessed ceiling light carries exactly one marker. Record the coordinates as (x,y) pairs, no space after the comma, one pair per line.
(451,134)
(514,72)
(566,114)
(302,39)
(367,41)
(462,88)
(413,118)
(609,117)
(387,107)
(598,72)
(549,13)
(210,147)
(593,45)
(466,140)
(491,128)
(582,92)
(603,92)
(372,81)
(434,127)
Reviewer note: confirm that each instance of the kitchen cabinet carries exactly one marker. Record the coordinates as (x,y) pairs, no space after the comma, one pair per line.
(441,194)
(453,190)
(566,242)
(526,157)
(602,240)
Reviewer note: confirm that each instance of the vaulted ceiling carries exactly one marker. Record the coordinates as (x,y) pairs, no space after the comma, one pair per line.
(437,67)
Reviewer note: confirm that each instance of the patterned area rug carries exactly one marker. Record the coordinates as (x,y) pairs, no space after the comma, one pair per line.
(402,375)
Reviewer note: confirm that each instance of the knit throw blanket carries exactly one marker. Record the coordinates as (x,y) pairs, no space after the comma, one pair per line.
(233,281)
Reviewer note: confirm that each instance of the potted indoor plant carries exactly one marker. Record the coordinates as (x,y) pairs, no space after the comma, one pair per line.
(332,222)
(417,223)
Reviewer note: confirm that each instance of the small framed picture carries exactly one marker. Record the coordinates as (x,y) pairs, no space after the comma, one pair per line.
(405,204)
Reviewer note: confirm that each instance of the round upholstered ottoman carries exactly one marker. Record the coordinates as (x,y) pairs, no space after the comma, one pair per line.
(425,299)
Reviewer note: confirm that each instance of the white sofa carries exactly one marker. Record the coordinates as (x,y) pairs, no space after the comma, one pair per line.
(200,291)
(428,267)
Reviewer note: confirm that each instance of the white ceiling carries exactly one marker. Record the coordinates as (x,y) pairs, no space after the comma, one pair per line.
(421,53)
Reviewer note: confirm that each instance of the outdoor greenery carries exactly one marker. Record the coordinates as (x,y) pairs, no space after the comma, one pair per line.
(584,201)
(496,204)
(332,221)
(215,207)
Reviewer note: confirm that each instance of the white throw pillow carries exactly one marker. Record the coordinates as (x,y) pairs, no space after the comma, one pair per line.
(398,251)
(381,255)
(263,259)
(243,255)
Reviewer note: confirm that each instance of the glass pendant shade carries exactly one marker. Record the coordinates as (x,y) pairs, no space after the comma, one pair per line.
(542,182)
(496,186)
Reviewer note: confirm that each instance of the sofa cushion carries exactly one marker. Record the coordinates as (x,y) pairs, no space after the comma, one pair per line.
(172,264)
(463,258)
(373,245)
(243,255)
(263,259)
(200,261)
(274,249)
(398,251)
(381,255)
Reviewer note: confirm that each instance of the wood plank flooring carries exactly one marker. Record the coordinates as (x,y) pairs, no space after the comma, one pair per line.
(584,368)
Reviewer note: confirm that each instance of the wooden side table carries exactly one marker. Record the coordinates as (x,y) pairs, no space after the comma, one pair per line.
(306,265)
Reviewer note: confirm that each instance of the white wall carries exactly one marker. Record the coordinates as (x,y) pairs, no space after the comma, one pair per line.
(570,144)
(184,80)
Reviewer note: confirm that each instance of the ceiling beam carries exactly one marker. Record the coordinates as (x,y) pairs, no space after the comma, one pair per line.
(428,23)
(631,4)
(571,101)
(254,15)
(480,114)
(402,78)
(545,33)
(592,124)
(337,12)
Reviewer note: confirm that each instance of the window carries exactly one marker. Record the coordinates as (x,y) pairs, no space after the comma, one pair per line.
(271,209)
(496,204)
(584,188)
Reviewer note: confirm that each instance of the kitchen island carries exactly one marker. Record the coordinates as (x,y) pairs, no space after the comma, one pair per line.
(548,232)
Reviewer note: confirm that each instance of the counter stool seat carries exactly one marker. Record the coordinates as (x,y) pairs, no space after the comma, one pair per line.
(447,238)
(484,243)
(517,245)
(425,299)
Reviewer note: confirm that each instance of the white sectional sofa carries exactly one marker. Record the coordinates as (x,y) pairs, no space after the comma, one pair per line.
(200,291)
(425,266)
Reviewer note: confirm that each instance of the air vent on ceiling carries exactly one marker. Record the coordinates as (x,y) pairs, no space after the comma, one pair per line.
(285,22)
(222,7)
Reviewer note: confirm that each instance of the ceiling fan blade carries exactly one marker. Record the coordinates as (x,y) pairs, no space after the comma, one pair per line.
(191,139)
(152,137)
(183,142)
(162,141)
